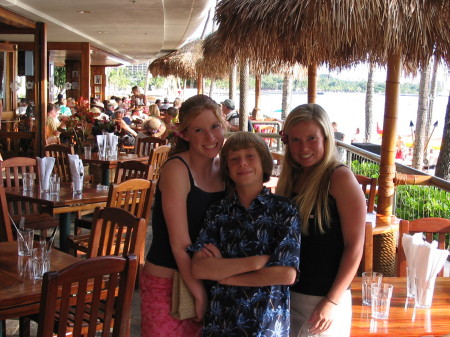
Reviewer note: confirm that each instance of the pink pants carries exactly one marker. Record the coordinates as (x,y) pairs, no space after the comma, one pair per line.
(156,300)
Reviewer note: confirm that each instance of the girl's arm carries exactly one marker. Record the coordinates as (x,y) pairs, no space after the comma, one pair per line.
(174,185)
(276,275)
(351,204)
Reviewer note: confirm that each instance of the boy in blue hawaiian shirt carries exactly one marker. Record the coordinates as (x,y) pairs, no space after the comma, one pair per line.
(250,245)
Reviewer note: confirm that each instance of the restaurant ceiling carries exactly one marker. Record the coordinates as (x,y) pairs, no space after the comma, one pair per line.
(134,31)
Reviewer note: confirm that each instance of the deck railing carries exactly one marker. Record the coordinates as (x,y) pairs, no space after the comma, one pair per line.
(417,195)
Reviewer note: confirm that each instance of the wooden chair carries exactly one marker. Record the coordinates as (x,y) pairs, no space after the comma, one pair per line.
(6,233)
(146,144)
(367,258)
(88,296)
(125,171)
(278,157)
(35,217)
(116,232)
(61,154)
(369,187)
(132,169)
(267,129)
(135,196)
(431,227)
(158,157)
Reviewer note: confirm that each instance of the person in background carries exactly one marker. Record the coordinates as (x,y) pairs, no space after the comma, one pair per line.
(153,110)
(337,134)
(52,124)
(153,127)
(190,181)
(250,246)
(177,103)
(231,115)
(400,146)
(170,120)
(332,208)
(20,111)
(166,105)
(137,99)
(357,137)
(126,115)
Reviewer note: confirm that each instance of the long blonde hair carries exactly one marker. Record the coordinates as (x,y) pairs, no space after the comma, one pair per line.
(190,109)
(312,199)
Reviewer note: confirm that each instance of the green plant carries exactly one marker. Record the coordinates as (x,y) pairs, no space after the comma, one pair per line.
(365,168)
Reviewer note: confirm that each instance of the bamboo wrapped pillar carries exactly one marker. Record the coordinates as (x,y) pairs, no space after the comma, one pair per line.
(257,91)
(387,168)
(312,83)
(200,84)
(384,245)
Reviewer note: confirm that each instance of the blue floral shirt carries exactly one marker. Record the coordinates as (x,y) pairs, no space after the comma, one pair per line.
(271,226)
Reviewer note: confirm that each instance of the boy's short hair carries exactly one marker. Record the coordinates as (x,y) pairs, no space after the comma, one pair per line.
(245,140)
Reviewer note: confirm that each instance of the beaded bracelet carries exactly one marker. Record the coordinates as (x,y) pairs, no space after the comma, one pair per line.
(329,299)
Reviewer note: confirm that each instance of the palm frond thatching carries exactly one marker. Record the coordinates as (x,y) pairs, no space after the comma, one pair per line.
(337,32)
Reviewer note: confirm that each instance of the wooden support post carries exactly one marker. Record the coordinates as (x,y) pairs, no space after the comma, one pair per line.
(386,187)
(41,82)
(312,83)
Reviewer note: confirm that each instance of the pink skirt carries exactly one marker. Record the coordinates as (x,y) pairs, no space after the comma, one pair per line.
(156,300)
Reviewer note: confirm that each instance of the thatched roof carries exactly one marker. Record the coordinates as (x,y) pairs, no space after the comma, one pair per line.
(337,32)
(187,62)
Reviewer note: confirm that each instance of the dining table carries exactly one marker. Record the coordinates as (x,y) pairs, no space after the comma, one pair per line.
(20,294)
(106,164)
(404,318)
(63,204)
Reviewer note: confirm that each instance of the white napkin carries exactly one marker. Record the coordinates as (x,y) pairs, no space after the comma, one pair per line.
(428,263)
(45,165)
(76,171)
(101,141)
(410,244)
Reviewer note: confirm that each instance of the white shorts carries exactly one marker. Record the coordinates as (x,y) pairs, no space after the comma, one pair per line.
(302,307)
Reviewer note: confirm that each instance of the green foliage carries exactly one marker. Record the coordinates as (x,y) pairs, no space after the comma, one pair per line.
(415,202)
(59,78)
(365,168)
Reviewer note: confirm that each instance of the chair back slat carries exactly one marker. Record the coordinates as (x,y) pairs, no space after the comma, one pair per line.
(132,169)
(89,296)
(433,229)
(145,145)
(157,159)
(117,232)
(6,234)
(61,154)
(369,187)
(13,168)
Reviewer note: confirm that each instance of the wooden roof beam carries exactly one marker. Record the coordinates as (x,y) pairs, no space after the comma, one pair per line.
(15,20)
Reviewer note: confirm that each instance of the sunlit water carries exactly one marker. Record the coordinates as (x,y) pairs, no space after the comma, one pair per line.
(347,109)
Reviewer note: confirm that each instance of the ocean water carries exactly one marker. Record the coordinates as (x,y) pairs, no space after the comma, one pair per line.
(348,110)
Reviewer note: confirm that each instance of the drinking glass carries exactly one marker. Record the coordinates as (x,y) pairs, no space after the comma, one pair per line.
(367,279)
(40,262)
(25,241)
(424,291)
(28,181)
(55,184)
(381,300)
(88,151)
(410,283)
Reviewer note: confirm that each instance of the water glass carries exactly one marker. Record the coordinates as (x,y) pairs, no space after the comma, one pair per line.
(55,184)
(410,283)
(424,292)
(40,263)
(27,181)
(77,186)
(381,300)
(88,151)
(367,279)
(25,241)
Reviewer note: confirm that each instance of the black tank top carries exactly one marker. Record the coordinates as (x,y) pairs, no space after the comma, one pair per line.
(320,255)
(197,203)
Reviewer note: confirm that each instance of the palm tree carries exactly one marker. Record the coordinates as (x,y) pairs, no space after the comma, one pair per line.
(443,162)
(287,95)
(419,147)
(369,104)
